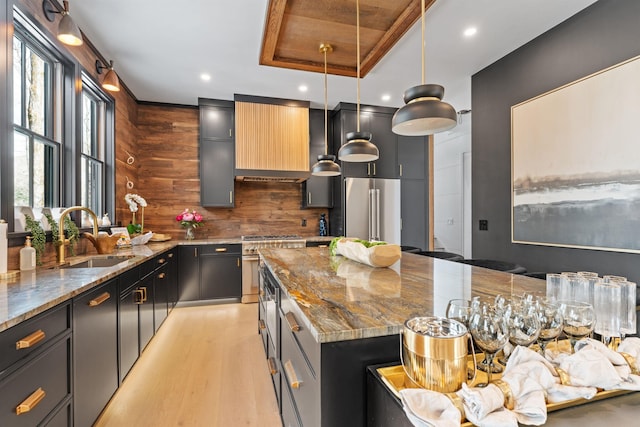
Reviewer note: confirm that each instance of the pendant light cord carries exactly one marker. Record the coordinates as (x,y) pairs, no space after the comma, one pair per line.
(326,102)
(423,44)
(358,63)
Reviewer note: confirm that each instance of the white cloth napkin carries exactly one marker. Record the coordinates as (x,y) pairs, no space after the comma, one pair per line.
(480,402)
(426,408)
(631,346)
(595,365)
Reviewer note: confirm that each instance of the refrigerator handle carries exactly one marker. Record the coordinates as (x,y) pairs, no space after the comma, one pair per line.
(371,214)
(377,236)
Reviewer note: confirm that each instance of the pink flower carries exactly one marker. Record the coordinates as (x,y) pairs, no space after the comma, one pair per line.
(197,217)
(187,216)
(179,217)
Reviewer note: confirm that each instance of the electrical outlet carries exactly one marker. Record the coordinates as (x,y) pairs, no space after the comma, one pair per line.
(304,222)
(450,221)
(483,225)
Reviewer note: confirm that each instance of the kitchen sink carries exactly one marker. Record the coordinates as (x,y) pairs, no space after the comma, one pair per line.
(100,261)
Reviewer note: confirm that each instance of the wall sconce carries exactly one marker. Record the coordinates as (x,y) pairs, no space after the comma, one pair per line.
(110,81)
(68,31)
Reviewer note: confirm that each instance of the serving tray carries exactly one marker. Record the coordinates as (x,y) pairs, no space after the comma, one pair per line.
(395,379)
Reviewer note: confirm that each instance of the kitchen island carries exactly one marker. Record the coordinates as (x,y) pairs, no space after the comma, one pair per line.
(335,317)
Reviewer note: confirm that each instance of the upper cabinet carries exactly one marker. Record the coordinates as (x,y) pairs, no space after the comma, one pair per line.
(376,120)
(317,191)
(217,153)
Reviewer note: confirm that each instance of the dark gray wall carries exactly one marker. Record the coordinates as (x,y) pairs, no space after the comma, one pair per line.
(606,33)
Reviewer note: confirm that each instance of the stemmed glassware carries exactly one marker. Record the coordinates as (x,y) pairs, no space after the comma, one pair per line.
(523,323)
(550,319)
(578,320)
(460,310)
(489,330)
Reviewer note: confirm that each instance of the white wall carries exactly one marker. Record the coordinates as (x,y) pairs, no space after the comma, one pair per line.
(449,228)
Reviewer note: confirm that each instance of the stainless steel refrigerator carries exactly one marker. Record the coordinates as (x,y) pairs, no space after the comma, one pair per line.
(372,209)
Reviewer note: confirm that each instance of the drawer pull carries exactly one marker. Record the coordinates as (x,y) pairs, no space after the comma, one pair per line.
(291,374)
(221,249)
(293,323)
(144,293)
(99,300)
(30,340)
(140,298)
(31,402)
(273,367)
(261,324)
(161,275)
(162,261)
(170,256)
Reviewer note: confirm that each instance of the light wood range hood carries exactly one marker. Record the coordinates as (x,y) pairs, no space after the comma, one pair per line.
(272,139)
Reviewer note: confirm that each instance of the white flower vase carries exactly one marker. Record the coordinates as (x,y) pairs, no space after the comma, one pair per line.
(189,233)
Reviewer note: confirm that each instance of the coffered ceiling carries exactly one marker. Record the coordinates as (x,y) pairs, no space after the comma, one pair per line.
(294,30)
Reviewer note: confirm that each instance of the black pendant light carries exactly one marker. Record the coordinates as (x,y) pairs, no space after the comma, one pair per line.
(424,113)
(326,165)
(358,147)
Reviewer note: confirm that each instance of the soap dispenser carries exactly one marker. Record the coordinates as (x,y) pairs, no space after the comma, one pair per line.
(27,256)
(323,225)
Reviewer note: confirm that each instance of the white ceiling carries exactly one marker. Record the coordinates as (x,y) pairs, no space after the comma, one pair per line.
(160,48)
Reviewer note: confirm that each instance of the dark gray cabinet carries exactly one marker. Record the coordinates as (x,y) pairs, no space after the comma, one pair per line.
(376,120)
(414,188)
(35,358)
(161,286)
(129,348)
(317,191)
(95,351)
(217,152)
(172,278)
(146,313)
(210,272)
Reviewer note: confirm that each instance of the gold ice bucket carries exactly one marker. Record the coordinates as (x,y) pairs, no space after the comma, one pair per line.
(434,353)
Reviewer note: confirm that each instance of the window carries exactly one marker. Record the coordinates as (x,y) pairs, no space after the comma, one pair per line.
(36,153)
(93,141)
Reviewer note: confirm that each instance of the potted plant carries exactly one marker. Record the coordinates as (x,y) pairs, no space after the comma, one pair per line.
(38,237)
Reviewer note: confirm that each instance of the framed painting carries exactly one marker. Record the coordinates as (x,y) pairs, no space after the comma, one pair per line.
(575,163)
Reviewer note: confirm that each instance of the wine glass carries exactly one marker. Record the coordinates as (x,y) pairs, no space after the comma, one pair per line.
(550,319)
(578,320)
(489,330)
(460,310)
(523,324)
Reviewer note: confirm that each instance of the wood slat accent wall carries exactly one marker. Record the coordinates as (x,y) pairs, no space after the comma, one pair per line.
(169,181)
(272,137)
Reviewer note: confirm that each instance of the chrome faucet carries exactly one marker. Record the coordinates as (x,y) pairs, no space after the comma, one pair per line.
(61,238)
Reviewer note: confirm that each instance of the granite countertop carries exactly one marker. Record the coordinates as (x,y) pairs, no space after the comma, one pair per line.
(32,293)
(339,299)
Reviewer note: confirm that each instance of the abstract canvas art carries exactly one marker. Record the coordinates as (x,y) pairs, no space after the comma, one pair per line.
(576,163)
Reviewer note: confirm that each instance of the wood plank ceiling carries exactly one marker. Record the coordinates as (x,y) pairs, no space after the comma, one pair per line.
(294,30)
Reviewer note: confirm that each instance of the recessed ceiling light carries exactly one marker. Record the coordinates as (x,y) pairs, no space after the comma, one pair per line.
(471,31)
(386,97)
(302,88)
(205,77)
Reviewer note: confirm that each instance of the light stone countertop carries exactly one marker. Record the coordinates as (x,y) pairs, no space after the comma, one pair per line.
(32,293)
(339,299)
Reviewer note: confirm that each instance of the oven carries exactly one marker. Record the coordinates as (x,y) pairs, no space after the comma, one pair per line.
(250,259)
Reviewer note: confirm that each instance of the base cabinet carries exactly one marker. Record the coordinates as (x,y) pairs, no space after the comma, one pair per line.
(95,351)
(210,272)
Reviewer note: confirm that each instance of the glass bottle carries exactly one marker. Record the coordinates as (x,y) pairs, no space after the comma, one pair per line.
(27,256)
(323,225)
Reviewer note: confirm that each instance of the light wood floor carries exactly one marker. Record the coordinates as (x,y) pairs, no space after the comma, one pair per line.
(205,367)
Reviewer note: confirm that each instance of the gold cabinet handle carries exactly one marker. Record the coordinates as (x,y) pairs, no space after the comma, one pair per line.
(273,366)
(140,295)
(238,262)
(170,256)
(144,293)
(99,300)
(30,340)
(162,261)
(261,324)
(162,275)
(293,323)
(368,168)
(31,402)
(309,197)
(221,249)
(294,382)
(374,169)
(400,169)
(230,196)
